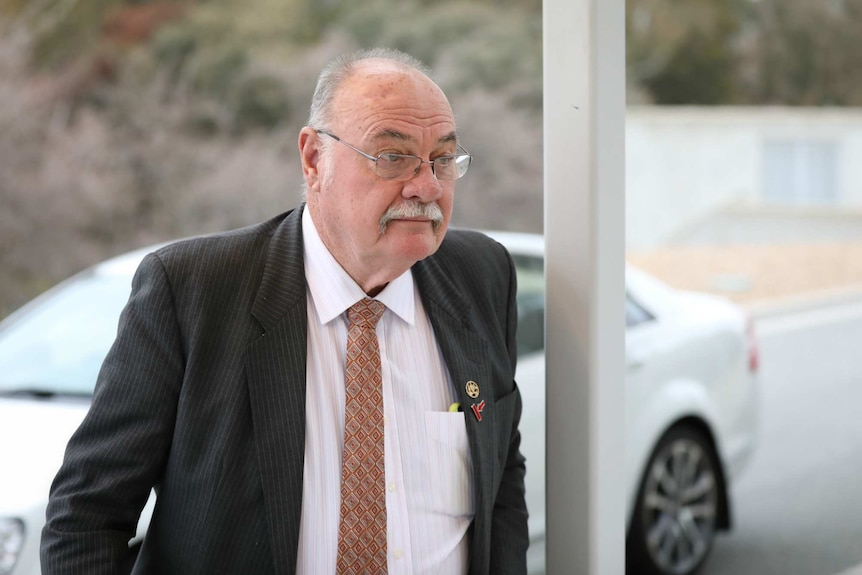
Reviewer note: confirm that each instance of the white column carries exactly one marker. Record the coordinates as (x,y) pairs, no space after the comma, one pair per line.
(584,139)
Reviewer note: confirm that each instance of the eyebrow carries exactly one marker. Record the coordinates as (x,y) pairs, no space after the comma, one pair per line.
(395,134)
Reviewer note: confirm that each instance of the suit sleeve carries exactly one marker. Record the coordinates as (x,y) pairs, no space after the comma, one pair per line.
(117,454)
(509,534)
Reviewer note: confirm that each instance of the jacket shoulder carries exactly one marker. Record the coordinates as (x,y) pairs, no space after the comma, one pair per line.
(221,251)
(474,254)
(225,271)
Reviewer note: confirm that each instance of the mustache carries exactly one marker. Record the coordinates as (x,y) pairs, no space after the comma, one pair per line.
(430,211)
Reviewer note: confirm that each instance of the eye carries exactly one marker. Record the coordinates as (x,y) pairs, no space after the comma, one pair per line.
(392,159)
(444,161)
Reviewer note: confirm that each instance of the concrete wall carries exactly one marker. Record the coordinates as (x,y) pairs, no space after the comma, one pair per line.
(684,164)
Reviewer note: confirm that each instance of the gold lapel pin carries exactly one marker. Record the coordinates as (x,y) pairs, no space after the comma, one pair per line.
(472,389)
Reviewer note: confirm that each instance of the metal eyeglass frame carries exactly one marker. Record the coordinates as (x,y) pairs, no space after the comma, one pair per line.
(415,170)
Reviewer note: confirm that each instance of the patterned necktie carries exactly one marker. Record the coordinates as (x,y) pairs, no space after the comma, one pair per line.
(362,528)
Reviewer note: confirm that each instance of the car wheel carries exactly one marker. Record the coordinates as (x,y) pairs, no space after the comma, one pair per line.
(676,512)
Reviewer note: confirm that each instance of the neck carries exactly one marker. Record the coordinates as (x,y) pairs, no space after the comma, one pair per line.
(375,290)
(371,275)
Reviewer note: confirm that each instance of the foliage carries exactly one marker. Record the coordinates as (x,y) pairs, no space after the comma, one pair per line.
(807,53)
(261,102)
(471,45)
(699,72)
(198,111)
(132,121)
(173,45)
(683,51)
(792,52)
(62,29)
(216,72)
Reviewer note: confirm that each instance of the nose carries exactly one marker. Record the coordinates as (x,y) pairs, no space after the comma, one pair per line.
(424,185)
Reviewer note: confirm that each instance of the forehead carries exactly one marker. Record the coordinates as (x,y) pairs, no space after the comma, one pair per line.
(380,97)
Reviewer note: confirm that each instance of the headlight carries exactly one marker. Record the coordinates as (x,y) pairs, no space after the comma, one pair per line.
(11,541)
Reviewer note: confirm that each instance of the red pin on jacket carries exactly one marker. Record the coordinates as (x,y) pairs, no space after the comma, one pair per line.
(477,409)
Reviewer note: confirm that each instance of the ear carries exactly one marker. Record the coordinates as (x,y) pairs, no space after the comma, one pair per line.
(309,154)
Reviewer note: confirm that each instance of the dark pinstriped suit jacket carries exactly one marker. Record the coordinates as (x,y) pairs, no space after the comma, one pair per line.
(203,397)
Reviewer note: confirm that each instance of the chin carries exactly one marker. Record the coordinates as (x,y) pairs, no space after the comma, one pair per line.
(416,247)
(413,241)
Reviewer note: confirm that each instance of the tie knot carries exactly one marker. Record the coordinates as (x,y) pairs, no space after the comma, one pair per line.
(366,311)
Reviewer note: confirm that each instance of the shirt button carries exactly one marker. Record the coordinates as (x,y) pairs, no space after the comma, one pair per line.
(391,487)
(385,421)
(398,553)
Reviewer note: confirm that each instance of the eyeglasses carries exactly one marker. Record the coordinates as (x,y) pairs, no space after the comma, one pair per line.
(402,167)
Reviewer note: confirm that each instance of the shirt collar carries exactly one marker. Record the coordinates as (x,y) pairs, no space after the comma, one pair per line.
(334,291)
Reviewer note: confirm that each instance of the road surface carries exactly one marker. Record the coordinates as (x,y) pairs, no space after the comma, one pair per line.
(798,508)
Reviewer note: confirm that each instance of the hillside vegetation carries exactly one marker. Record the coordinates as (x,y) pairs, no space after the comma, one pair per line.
(127,122)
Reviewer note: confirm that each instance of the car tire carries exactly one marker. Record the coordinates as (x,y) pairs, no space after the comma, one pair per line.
(677,509)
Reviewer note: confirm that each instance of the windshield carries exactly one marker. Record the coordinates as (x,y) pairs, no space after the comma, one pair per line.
(57,346)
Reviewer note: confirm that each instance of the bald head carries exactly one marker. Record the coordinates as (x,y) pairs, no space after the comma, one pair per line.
(334,75)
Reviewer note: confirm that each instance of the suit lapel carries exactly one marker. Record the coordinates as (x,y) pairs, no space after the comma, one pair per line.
(466,355)
(276,371)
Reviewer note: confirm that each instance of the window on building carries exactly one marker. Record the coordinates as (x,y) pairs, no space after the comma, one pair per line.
(800,172)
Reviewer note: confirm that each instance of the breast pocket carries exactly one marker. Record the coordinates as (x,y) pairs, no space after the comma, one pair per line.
(449,461)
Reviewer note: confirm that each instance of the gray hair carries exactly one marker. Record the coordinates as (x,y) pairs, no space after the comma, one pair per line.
(341,68)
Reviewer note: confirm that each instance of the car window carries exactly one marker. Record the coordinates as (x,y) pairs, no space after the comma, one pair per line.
(531,303)
(57,346)
(635,313)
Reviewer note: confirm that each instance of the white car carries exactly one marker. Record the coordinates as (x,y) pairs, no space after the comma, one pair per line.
(691,405)
(50,353)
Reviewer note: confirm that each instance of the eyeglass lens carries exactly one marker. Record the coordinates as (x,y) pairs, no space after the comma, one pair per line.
(395,166)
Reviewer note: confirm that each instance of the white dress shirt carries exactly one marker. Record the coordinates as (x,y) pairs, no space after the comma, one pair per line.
(429,488)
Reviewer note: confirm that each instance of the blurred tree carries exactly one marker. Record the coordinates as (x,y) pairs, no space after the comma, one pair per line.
(261,101)
(63,31)
(149,120)
(683,51)
(805,53)
(470,45)
(792,52)
(217,70)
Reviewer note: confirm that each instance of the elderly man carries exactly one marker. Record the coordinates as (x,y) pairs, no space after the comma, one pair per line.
(330,391)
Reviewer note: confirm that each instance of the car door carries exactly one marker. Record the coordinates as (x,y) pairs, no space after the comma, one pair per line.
(530,376)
